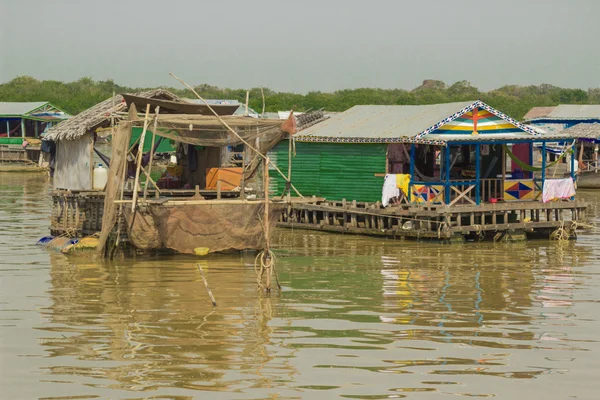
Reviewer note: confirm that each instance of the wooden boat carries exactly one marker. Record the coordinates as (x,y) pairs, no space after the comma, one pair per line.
(588,180)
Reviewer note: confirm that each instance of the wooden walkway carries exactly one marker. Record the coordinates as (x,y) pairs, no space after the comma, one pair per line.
(435,222)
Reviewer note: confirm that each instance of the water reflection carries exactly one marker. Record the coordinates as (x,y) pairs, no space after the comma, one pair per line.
(346,314)
(357,318)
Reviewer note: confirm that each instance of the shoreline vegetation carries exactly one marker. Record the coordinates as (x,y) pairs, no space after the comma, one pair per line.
(79,95)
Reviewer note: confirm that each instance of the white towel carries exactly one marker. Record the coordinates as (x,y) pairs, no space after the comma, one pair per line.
(558,189)
(390,189)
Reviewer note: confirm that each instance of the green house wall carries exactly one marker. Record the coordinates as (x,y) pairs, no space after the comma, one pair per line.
(335,171)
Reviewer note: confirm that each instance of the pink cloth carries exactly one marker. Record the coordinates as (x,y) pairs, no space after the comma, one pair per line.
(558,189)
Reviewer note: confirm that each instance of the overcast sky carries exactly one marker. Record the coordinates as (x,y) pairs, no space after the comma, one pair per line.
(304,45)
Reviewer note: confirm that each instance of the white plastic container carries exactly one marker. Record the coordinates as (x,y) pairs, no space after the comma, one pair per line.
(99,178)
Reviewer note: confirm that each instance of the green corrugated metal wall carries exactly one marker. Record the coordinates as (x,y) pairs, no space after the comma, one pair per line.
(335,171)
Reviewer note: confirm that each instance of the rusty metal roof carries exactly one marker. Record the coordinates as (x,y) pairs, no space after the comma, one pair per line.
(565,112)
(538,112)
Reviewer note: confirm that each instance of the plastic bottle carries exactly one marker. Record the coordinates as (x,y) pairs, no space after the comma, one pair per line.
(100,177)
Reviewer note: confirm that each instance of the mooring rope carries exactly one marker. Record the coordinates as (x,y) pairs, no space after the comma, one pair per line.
(265,260)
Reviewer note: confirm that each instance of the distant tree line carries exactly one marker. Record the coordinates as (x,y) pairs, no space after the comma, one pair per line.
(514,100)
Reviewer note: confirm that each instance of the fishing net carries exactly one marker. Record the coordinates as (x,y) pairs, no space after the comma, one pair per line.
(183,228)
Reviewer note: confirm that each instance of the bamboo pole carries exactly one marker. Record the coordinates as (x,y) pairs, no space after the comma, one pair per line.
(247,100)
(289,165)
(267,250)
(212,298)
(157,110)
(264,157)
(139,160)
(243,179)
(262,93)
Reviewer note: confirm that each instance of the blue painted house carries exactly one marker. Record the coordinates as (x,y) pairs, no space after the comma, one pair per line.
(555,119)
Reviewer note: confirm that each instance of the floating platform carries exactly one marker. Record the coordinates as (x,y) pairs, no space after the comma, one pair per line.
(503,220)
(16,159)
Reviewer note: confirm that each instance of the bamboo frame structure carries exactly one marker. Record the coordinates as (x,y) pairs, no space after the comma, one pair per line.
(139,160)
(152,150)
(226,125)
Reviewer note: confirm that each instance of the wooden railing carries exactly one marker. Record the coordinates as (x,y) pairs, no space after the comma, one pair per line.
(458,191)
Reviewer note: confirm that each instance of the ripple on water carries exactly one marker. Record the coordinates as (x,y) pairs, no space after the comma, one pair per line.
(359,318)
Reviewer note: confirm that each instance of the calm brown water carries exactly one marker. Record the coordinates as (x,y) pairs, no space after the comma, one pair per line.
(357,318)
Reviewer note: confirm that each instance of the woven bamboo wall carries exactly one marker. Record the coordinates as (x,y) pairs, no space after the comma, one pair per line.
(76,214)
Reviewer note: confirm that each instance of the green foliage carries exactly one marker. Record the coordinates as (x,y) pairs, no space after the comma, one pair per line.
(515,101)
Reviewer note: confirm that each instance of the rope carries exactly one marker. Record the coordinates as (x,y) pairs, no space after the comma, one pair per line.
(263,261)
(560,233)
(479,231)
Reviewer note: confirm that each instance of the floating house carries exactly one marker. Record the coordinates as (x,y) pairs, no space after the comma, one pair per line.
(587,136)
(450,157)
(579,121)
(75,140)
(555,119)
(24,122)
(198,203)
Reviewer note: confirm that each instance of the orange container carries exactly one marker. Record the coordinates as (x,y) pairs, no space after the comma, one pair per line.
(230,178)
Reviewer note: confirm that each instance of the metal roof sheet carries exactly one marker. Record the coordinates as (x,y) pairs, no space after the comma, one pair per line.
(19,108)
(386,122)
(575,111)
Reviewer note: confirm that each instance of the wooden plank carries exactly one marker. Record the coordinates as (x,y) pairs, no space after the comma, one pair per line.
(510,226)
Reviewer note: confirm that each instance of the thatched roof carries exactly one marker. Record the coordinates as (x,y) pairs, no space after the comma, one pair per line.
(583,131)
(98,116)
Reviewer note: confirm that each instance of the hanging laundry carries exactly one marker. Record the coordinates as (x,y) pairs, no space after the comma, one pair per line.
(402,181)
(390,189)
(558,189)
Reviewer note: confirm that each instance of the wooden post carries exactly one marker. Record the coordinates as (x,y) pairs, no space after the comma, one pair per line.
(412,171)
(139,160)
(503,165)
(531,173)
(7,129)
(543,165)
(152,150)
(478,174)
(218,189)
(266,222)
(22,127)
(448,194)
(573,155)
(289,177)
